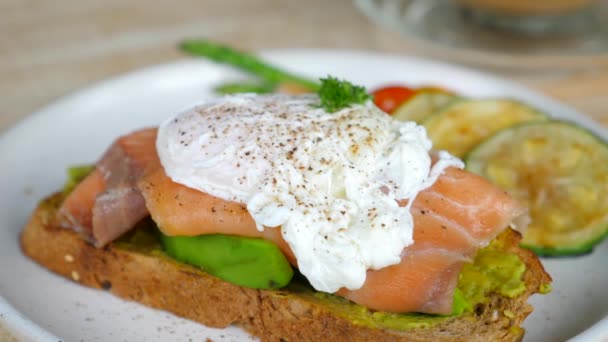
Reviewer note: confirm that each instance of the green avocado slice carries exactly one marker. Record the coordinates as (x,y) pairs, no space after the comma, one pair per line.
(248,262)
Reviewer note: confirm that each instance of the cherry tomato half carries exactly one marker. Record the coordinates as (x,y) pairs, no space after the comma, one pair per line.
(389,98)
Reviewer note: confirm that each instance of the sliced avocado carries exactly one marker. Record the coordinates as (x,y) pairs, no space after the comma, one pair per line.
(492,270)
(248,262)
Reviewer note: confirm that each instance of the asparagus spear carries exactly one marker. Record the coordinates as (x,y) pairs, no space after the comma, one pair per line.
(246,62)
(234,88)
(334,94)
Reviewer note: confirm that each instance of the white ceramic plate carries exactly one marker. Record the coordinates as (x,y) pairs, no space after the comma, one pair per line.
(37,305)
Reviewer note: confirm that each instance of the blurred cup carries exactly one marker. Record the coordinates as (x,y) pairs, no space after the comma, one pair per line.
(533,17)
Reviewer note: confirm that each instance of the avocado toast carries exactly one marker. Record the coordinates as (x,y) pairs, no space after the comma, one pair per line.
(134,226)
(135,268)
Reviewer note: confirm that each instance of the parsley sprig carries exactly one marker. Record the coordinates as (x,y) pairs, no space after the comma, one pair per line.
(337,94)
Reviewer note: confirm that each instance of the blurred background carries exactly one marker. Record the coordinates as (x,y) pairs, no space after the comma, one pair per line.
(51,48)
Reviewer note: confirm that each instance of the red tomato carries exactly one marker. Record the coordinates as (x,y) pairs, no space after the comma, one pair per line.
(389,98)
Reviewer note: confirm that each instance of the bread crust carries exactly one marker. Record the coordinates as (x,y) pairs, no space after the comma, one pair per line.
(273,315)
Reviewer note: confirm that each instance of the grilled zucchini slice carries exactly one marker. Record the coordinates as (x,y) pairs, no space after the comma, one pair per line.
(560,171)
(422,105)
(462,125)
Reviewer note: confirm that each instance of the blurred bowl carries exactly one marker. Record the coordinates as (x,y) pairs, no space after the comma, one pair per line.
(467,31)
(539,17)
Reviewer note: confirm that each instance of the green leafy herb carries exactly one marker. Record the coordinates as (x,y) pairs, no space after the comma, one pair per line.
(246,62)
(336,94)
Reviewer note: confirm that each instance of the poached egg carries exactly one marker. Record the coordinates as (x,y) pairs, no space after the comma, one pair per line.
(329,181)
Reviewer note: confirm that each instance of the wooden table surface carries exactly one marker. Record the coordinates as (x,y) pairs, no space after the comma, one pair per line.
(51,48)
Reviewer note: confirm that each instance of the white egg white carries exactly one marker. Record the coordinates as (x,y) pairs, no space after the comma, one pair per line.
(330,181)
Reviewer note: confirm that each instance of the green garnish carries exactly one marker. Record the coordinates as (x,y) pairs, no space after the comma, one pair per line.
(246,62)
(336,94)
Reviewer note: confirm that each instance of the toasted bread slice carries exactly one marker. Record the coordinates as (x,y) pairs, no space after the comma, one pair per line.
(274,315)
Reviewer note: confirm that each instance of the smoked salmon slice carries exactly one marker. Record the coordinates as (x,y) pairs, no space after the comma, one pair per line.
(456,216)
(453,218)
(108,202)
(182,211)
(76,212)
